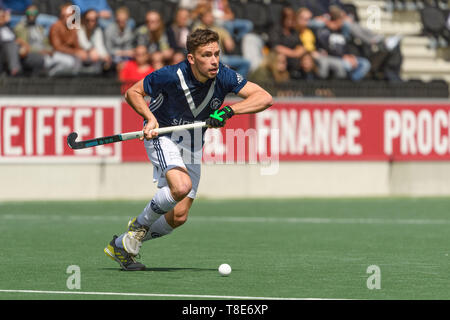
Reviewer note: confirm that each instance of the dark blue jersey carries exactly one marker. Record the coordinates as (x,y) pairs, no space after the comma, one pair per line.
(177,97)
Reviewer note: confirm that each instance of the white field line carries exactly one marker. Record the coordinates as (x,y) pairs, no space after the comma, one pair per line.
(168,295)
(231,219)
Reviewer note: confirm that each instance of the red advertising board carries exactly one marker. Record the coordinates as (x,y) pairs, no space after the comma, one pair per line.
(359,131)
(35,130)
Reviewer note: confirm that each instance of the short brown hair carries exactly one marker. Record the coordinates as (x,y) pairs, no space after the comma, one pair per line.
(200,37)
(124,10)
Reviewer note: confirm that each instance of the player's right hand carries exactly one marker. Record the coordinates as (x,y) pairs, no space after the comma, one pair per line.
(149,133)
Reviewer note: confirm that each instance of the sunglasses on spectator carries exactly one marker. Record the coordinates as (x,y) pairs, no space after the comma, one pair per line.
(31,12)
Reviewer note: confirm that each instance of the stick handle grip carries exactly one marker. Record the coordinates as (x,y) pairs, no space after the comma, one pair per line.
(140,134)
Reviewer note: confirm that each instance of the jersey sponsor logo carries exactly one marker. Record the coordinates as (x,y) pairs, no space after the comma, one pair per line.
(215,103)
(180,121)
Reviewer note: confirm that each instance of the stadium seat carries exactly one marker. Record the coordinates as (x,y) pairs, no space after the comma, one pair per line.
(238,8)
(256,12)
(53,6)
(433,19)
(274,9)
(165,8)
(114,4)
(138,9)
(42,6)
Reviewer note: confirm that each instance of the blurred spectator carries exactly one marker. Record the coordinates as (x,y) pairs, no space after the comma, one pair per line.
(384,54)
(253,49)
(9,49)
(119,38)
(178,33)
(309,69)
(224,17)
(90,37)
(320,8)
(307,36)
(196,7)
(285,40)
(18,9)
(324,65)
(227,44)
(105,13)
(248,44)
(273,69)
(333,41)
(153,35)
(65,43)
(179,30)
(137,69)
(35,50)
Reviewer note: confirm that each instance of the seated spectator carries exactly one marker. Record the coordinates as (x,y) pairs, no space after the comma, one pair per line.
(35,50)
(18,9)
(272,70)
(90,37)
(196,7)
(9,49)
(153,35)
(309,69)
(178,33)
(227,44)
(105,13)
(324,65)
(384,53)
(119,38)
(334,42)
(224,17)
(66,47)
(285,40)
(307,36)
(137,69)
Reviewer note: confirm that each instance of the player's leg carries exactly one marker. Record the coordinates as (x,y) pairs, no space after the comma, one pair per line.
(164,224)
(176,217)
(178,187)
(174,184)
(166,198)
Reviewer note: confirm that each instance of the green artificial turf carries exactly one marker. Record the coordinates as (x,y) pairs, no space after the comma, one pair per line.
(296,248)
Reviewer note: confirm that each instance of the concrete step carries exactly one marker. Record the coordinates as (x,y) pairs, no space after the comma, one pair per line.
(365,13)
(426,66)
(362,4)
(420,52)
(403,28)
(415,41)
(425,76)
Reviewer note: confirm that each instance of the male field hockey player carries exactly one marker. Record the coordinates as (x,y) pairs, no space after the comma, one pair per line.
(188,92)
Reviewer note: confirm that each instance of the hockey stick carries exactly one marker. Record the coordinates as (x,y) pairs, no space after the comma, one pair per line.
(125,136)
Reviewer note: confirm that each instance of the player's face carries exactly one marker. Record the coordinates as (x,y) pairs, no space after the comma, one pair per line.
(205,61)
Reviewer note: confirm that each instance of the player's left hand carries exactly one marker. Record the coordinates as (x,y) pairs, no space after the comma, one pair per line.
(219,117)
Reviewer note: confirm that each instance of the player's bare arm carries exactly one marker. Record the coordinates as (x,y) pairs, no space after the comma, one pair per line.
(256,99)
(135,98)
